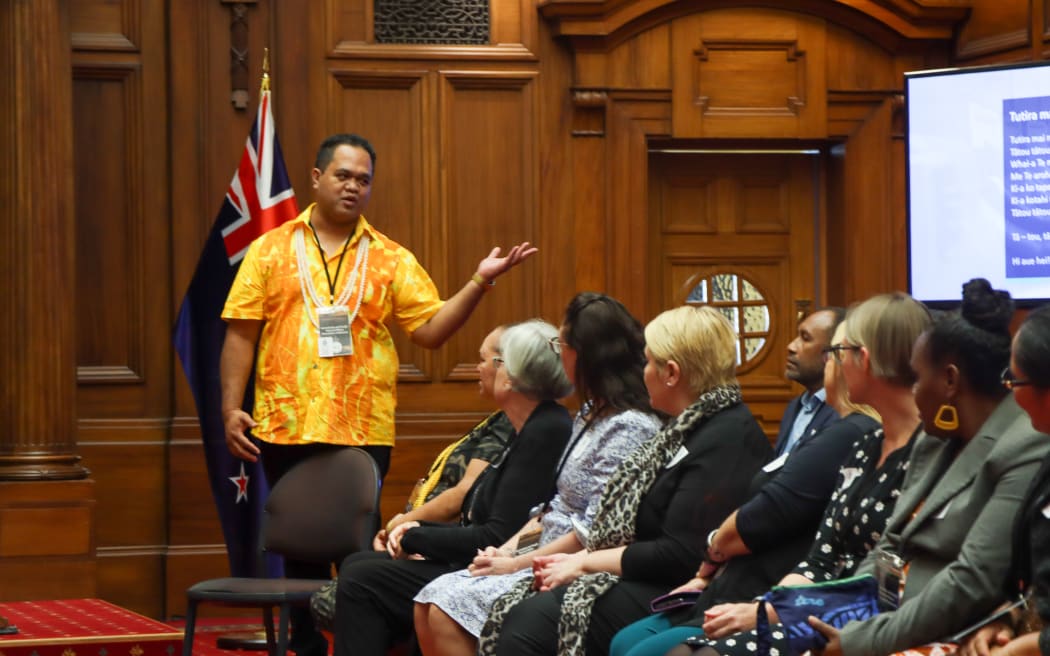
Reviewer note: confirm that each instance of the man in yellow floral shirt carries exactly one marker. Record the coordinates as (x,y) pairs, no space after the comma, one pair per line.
(327,367)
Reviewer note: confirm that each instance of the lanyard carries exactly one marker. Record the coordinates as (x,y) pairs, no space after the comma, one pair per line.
(331,282)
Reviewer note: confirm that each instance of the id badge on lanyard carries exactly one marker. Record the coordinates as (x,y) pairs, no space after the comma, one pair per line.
(333,332)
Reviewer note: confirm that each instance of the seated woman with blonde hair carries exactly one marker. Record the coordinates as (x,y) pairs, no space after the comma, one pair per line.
(679,485)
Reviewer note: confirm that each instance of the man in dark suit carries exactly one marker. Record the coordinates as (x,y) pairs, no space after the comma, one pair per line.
(808,413)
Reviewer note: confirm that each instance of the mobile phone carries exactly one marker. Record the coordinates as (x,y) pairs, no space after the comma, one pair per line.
(674,600)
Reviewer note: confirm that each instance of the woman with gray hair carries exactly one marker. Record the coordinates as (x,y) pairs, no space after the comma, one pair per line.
(375,591)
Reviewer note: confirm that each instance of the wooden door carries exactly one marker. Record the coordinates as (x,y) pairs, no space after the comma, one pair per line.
(740,231)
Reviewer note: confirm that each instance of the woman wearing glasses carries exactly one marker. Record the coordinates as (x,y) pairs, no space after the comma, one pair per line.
(375,589)
(1029,377)
(870,352)
(602,350)
(967,476)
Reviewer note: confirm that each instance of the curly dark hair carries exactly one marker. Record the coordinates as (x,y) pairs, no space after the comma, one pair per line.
(976,336)
(610,352)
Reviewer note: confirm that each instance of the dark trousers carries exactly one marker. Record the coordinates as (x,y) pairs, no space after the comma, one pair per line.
(277,460)
(373,608)
(531,627)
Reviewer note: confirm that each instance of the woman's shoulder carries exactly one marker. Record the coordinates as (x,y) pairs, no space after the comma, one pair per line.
(631,419)
(548,415)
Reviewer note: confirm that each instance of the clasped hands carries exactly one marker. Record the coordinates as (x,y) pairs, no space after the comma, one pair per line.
(390,541)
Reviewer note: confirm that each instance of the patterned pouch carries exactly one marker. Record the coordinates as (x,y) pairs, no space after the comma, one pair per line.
(835,602)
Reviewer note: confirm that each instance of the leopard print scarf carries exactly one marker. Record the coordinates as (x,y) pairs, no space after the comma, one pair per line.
(613,525)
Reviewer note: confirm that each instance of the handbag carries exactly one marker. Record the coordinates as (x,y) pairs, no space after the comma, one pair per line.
(835,602)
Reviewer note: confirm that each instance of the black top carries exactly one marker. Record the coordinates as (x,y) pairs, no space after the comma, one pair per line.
(498,503)
(779,521)
(692,495)
(1030,566)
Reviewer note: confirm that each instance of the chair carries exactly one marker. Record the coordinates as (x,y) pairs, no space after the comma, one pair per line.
(322,510)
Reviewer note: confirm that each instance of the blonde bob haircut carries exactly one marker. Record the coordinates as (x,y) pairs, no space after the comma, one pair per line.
(700,340)
(887,325)
(842,389)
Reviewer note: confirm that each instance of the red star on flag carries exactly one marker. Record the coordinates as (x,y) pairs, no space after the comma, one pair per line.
(241,482)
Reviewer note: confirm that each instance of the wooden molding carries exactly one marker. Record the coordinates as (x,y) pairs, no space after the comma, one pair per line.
(992,44)
(511,52)
(601,24)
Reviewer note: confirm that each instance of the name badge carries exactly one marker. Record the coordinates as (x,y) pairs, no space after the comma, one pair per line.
(776,464)
(333,332)
(678,457)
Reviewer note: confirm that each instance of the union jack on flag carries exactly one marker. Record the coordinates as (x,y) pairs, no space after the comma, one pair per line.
(260,197)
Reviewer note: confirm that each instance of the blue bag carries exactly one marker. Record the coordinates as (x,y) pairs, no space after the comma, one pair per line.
(835,602)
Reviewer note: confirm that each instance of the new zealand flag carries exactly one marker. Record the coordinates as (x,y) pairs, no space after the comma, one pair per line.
(260,197)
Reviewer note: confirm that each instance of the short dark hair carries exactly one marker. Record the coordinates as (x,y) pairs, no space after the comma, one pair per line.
(328,146)
(1032,347)
(976,336)
(838,313)
(610,352)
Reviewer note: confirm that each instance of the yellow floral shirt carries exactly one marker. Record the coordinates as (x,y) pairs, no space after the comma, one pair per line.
(301,397)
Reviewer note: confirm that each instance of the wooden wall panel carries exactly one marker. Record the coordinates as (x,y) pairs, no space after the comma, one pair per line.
(488,192)
(123,287)
(391,110)
(995,27)
(47,540)
(111,333)
(106,25)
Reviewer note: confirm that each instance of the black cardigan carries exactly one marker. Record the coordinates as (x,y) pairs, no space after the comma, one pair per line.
(498,503)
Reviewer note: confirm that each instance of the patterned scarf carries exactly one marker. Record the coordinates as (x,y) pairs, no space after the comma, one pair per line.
(613,525)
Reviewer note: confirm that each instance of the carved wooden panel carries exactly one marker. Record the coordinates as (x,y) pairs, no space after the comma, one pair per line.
(488,194)
(748,72)
(351,32)
(697,200)
(391,110)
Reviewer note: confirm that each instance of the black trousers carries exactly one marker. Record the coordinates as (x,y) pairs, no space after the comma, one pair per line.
(277,460)
(531,627)
(373,608)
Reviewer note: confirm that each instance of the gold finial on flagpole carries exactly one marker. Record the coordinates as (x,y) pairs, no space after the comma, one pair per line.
(266,70)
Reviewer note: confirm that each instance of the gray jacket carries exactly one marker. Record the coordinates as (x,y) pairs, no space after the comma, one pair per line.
(958,544)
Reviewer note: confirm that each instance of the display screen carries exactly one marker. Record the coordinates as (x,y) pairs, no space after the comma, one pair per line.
(978,143)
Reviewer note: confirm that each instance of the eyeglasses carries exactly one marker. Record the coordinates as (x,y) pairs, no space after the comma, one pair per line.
(836,351)
(556,345)
(1009,382)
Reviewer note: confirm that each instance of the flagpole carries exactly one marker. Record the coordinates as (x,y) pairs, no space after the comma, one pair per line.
(199,320)
(252,639)
(265,84)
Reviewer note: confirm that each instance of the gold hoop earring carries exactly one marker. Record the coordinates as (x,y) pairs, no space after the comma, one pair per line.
(947,418)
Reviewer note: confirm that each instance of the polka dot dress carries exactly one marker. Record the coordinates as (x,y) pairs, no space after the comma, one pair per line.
(859,509)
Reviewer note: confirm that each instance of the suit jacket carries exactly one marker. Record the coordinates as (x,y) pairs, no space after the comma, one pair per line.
(957,545)
(824,415)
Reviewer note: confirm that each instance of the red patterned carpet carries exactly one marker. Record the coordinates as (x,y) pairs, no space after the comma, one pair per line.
(84,627)
(92,627)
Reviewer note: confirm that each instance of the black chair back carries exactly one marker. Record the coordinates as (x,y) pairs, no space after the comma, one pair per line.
(324,508)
